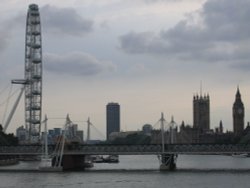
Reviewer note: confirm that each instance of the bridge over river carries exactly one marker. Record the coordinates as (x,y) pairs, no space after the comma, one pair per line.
(192,149)
(167,155)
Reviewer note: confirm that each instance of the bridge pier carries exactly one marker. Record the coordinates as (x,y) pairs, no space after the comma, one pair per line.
(73,162)
(168,162)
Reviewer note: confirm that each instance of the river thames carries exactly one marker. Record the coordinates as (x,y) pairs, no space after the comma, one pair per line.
(137,171)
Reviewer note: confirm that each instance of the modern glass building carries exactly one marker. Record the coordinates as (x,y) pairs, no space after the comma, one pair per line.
(113,118)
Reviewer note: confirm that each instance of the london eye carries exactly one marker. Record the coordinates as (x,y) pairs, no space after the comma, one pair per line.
(33,73)
(32,82)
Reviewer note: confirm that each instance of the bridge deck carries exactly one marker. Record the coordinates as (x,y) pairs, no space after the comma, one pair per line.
(195,149)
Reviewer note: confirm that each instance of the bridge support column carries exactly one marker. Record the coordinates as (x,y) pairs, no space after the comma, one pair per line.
(168,162)
(74,162)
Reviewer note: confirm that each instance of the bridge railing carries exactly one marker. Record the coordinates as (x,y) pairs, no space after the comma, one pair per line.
(115,149)
(208,148)
(26,150)
(130,149)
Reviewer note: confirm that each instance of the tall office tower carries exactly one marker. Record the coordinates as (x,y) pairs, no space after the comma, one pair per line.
(221,127)
(201,113)
(238,114)
(113,118)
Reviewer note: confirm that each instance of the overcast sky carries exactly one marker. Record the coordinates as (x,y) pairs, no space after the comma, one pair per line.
(148,55)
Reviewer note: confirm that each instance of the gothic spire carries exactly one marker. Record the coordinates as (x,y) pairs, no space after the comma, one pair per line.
(238,95)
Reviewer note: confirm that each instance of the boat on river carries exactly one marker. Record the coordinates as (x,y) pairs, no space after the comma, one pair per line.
(111,159)
(241,155)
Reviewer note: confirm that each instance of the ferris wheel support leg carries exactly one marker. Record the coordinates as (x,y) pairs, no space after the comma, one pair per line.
(13,110)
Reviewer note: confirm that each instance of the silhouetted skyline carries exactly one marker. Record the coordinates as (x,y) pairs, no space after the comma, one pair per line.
(149,56)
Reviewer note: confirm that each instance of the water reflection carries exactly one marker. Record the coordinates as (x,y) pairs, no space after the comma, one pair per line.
(185,163)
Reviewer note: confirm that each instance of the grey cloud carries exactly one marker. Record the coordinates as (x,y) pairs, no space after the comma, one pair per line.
(243,65)
(62,21)
(6,31)
(76,63)
(227,19)
(137,42)
(4,37)
(65,21)
(156,1)
(218,37)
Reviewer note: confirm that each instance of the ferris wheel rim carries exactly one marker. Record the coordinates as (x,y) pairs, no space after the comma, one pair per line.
(33,73)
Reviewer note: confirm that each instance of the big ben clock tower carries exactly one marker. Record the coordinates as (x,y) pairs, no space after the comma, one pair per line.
(238,114)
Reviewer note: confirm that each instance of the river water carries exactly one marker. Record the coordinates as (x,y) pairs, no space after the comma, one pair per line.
(137,171)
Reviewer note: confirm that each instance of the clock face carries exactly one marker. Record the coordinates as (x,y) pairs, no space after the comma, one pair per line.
(240,111)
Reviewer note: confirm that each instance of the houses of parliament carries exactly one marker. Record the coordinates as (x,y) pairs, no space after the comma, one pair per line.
(201,132)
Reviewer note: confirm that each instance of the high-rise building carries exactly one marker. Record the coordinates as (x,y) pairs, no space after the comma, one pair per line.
(21,134)
(238,114)
(221,127)
(79,135)
(113,118)
(201,113)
